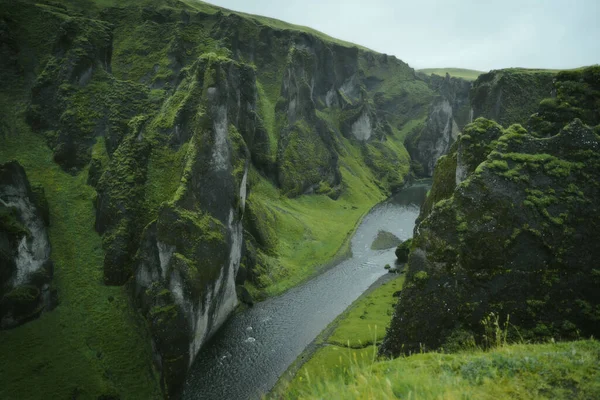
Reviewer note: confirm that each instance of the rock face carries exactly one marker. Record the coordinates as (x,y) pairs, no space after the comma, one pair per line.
(448,114)
(510,96)
(403,250)
(189,257)
(511,232)
(25,265)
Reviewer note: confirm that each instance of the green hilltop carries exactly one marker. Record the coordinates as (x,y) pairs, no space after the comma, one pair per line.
(467,74)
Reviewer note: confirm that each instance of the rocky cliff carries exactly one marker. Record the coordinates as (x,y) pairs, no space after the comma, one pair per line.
(194,127)
(449,112)
(510,96)
(25,266)
(508,235)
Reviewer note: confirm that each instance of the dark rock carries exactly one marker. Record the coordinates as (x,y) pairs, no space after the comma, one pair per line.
(403,250)
(448,115)
(95,172)
(397,294)
(516,239)
(510,96)
(244,295)
(241,275)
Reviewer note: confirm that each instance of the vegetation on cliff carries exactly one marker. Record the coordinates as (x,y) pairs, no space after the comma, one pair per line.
(510,231)
(134,117)
(510,96)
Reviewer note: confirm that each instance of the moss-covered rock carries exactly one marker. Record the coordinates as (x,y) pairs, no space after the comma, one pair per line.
(575,96)
(510,96)
(516,239)
(385,240)
(403,251)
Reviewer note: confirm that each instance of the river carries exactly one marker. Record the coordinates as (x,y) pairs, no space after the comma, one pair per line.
(255,347)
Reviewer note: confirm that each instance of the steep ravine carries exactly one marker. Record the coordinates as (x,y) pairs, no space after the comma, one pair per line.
(257,345)
(191,153)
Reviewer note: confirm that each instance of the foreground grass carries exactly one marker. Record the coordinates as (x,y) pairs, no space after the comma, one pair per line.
(467,74)
(542,371)
(346,366)
(92,344)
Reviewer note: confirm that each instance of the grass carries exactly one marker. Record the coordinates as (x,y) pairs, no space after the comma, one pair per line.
(544,371)
(270,22)
(467,74)
(366,321)
(92,344)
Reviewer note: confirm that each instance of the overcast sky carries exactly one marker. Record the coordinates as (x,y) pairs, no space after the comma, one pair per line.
(472,34)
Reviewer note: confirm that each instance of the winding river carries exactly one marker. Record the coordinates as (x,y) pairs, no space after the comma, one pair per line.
(255,347)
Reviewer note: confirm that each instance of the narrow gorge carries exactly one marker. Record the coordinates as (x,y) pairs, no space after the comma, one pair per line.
(171,171)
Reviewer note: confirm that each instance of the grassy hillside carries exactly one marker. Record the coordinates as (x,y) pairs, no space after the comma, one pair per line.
(468,74)
(543,371)
(93,343)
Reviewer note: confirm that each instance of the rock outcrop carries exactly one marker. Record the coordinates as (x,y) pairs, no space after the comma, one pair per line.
(186,268)
(448,114)
(25,265)
(511,233)
(510,96)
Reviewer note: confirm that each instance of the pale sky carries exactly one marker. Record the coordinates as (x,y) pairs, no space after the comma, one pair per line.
(471,34)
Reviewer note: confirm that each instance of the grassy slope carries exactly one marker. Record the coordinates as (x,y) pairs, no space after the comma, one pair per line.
(543,371)
(270,22)
(468,74)
(92,343)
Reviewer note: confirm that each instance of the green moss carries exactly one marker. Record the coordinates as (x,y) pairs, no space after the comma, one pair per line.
(10,222)
(97,346)
(421,277)
(304,160)
(510,95)
(22,294)
(165,167)
(444,182)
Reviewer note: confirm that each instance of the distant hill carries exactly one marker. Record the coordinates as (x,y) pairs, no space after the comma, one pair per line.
(468,74)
